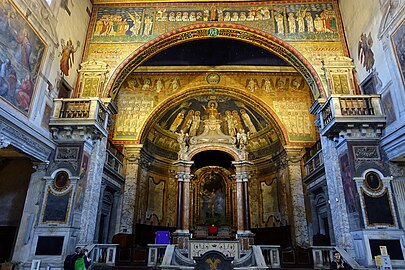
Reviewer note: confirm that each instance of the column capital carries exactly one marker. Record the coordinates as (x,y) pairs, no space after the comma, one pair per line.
(292,155)
(132,152)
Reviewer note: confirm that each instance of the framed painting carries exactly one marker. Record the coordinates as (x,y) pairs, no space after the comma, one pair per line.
(21,56)
(398,43)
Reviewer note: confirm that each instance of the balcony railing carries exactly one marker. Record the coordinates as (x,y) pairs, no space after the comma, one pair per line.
(313,163)
(79,115)
(114,159)
(350,111)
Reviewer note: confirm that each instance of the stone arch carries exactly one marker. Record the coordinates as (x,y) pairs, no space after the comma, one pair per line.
(216,30)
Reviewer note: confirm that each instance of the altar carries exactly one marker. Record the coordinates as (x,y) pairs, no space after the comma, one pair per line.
(229,249)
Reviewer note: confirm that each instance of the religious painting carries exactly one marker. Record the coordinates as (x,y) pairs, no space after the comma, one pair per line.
(373,181)
(398,41)
(61,181)
(212,198)
(365,53)
(388,106)
(21,56)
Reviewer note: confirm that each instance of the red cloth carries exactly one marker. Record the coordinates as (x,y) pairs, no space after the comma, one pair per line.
(212,229)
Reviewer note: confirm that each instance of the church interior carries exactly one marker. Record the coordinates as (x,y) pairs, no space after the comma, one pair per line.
(202,134)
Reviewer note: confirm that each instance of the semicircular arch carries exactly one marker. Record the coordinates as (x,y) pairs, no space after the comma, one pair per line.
(215,30)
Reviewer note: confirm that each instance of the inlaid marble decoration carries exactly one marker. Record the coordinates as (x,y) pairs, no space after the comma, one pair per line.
(366,153)
(155,198)
(228,248)
(269,201)
(67,153)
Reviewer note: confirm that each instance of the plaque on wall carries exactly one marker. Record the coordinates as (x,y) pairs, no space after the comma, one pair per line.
(49,245)
(393,247)
(378,210)
(56,207)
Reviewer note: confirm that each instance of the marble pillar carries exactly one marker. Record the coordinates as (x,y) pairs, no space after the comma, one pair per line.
(240,226)
(100,203)
(183,206)
(31,212)
(93,190)
(297,211)
(115,210)
(142,203)
(132,154)
(337,204)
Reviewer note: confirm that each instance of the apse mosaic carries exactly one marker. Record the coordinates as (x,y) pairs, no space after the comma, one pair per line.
(287,94)
(301,21)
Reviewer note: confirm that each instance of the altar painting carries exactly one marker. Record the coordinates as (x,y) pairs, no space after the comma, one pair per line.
(212,198)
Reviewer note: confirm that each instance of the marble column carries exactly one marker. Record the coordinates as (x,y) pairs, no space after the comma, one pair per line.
(314,226)
(31,212)
(115,210)
(242,195)
(182,234)
(93,190)
(100,203)
(132,154)
(337,204)
(297,210)
(142,202)
(183,203)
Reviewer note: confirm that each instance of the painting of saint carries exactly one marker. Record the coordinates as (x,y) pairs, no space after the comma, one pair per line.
(212,198)
(21,57)
(398,40)
(61,179)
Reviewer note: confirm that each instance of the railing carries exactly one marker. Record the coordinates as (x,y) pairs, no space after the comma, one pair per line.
(337,106)
(322,256)
(271,254)
(114,159)
(80,113)
(156,254)
(340,111)
(103,253)
(313,163)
